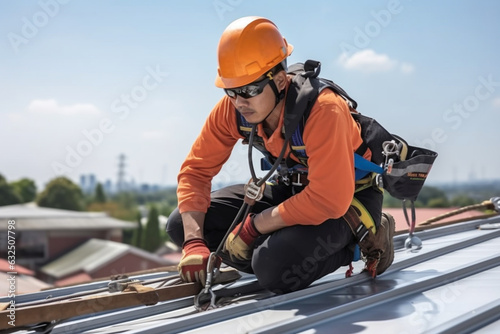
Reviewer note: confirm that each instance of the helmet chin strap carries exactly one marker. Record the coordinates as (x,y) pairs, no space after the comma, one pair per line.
(279,96)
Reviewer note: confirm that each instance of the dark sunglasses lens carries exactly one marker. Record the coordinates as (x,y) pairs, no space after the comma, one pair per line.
(248,91)
(231,93)
(240,92)
(252,90)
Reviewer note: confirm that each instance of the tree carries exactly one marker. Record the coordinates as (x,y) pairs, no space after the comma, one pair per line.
(26,189)
(439,202)
(62,193)
(137,241)
(8,195)
(391,202)
(151,240)
(462,200)
(432,193)
(100,196)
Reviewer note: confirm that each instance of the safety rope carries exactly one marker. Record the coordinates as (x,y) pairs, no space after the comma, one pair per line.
(257,182)
(254,191)
(491,204)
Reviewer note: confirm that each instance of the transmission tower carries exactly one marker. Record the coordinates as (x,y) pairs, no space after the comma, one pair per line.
(120,183)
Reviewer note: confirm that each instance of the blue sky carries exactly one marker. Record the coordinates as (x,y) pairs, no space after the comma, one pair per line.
(83,81)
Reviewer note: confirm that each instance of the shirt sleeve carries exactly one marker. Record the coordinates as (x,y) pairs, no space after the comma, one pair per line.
(331,137)
(208,154)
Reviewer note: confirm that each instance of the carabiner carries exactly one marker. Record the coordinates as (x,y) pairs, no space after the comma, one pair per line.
(205,300)
(206,294)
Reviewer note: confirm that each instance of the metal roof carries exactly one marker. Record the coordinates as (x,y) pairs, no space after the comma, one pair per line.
(32,217)
(451,285)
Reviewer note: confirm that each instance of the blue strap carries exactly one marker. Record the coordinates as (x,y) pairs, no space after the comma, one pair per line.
(363,167)
(357,253)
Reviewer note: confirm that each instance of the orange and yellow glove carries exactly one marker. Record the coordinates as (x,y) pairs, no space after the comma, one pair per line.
(239,243)
(193,264)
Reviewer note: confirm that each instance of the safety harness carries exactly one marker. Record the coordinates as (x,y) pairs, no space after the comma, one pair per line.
(395,166)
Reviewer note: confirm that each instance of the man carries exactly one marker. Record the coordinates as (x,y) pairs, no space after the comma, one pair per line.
(296,233)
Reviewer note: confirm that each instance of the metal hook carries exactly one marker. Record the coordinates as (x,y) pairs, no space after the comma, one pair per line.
(206,294)
(413,242)
(205,300)
(496,203)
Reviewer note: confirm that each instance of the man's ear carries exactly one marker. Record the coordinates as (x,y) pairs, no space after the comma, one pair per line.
(280,79)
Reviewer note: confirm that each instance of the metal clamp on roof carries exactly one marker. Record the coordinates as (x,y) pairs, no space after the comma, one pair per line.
(120,284)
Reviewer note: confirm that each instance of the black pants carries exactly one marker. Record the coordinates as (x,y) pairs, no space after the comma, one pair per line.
(288,259)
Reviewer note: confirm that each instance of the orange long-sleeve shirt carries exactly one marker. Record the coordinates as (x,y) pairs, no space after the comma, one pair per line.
(331,137)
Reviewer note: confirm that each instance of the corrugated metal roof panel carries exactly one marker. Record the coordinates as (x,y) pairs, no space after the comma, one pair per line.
(90,255)
(32,210)
(32,217)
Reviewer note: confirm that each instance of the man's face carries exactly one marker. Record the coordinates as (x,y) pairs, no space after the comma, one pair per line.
(256,109)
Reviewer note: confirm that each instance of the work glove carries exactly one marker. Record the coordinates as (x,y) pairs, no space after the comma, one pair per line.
(193,264)
(239,243)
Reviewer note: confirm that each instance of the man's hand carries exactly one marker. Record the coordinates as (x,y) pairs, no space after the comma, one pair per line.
(240,241)
(193,264)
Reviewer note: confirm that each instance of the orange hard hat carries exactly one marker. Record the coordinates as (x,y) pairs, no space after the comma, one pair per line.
(249,48)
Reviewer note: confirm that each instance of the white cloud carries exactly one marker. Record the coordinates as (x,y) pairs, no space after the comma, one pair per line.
(496,102)
(368,61)
(51,106)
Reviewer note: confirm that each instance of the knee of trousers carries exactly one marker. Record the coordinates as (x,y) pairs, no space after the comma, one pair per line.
(174,228)
(280,275)
(276,276)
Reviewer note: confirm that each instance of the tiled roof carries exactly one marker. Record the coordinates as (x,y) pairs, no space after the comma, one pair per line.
(5,267)
(423,214)
(24,283)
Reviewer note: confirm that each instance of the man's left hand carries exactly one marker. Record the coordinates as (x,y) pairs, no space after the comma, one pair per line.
(240,241)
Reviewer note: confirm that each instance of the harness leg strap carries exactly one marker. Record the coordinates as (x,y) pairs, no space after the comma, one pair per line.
(371,249)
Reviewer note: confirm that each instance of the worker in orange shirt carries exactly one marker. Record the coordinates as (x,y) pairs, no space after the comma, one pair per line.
(297,233)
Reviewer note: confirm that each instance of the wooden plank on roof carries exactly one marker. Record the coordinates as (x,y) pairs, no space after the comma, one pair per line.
(69,308)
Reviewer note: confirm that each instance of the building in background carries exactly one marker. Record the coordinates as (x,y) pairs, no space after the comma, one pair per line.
(98,258)
(42,234)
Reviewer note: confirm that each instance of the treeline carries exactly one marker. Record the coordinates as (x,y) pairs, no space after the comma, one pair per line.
(21,191)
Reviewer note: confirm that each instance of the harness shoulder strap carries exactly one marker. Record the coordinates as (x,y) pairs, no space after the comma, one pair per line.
(302,94)
(318,84)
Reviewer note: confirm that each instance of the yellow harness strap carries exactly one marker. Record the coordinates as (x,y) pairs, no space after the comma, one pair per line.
(364,215)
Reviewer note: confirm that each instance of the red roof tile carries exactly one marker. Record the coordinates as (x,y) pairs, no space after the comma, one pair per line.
(423,214)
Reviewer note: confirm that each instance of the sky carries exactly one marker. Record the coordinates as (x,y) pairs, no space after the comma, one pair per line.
(82,82)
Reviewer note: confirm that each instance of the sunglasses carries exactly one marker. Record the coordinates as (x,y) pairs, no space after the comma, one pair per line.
(250,90)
